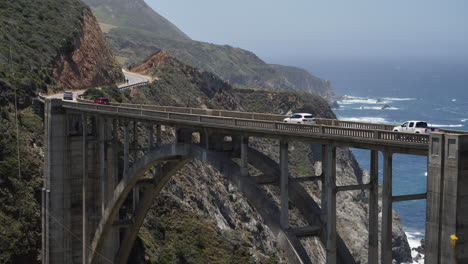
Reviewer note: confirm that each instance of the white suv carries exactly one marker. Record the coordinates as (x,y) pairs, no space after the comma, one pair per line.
(418,127)
(300,118)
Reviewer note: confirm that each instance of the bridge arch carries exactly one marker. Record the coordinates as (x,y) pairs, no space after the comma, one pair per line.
(177,155)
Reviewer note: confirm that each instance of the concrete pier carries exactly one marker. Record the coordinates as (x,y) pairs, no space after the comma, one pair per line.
(454,216)
(244,156)
(284,183)
(373,254)
(330,187)
(386,236)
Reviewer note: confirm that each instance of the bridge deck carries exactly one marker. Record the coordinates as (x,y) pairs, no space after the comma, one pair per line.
(254,124)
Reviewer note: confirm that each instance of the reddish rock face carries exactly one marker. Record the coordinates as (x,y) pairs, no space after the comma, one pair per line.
(147,67)
(90,63)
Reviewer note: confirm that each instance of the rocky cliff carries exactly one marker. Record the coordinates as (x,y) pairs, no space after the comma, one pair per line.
(87,61)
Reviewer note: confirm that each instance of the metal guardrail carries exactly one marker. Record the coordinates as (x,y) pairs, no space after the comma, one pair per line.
(133,85)
(168,114)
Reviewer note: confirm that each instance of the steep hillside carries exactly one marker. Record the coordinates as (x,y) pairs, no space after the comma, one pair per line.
(44,45)
(89,62)
(134,14)
(182,85)
(40,49)
(235,65)
(301,78)
(135,31)
(282,102)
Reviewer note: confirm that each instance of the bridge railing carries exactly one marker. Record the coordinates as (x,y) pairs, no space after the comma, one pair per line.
(266,125)
(199,111)
(351,124)
(253,116)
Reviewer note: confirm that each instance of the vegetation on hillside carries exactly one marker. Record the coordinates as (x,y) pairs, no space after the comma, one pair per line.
(31,36)
(283,102)
(235,65)
(133,14)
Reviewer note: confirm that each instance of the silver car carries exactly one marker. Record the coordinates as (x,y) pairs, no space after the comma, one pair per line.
(68,95)
(300,118)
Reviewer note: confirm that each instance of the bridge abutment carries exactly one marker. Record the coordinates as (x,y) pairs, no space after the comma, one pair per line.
(447,200)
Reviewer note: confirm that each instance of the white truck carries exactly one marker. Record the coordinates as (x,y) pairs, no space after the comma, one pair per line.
(418,127)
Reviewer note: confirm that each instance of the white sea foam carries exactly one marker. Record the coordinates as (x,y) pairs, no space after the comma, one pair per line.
(362,100)
(414,241)
(437,125)
(399,99)
(425,174)
(379,120)
(464,120)
(375,108)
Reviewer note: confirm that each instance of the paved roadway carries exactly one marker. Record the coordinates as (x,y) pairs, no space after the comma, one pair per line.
(133,78)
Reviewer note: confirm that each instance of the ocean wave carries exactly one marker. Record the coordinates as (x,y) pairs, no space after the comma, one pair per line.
(414,241)
(437,125)
(399,99)
(379,120)
(375,108)
(464,120)
(362,100)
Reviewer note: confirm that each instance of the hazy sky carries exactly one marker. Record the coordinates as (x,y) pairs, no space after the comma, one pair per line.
(273,28)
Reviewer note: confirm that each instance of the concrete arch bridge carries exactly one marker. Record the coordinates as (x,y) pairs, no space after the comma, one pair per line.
(86,184)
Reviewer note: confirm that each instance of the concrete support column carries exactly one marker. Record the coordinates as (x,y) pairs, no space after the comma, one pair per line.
(56,240)
(284,196)
(373,254)
(323,194)
(126,150)
(102,135)
(112,175)
(136,190)
(435,179)
(386,240)
(158,136)
(150,137)
(43,226)
(244,157)
(330,187)
(84,190)
(454,216)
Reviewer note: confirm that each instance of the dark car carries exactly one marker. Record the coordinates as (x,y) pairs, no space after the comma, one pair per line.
(68,95)
(102,101)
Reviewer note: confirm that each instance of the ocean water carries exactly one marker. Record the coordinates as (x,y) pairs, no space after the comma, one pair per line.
(434,90)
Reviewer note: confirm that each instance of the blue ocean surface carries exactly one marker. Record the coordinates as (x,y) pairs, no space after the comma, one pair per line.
(434,90)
